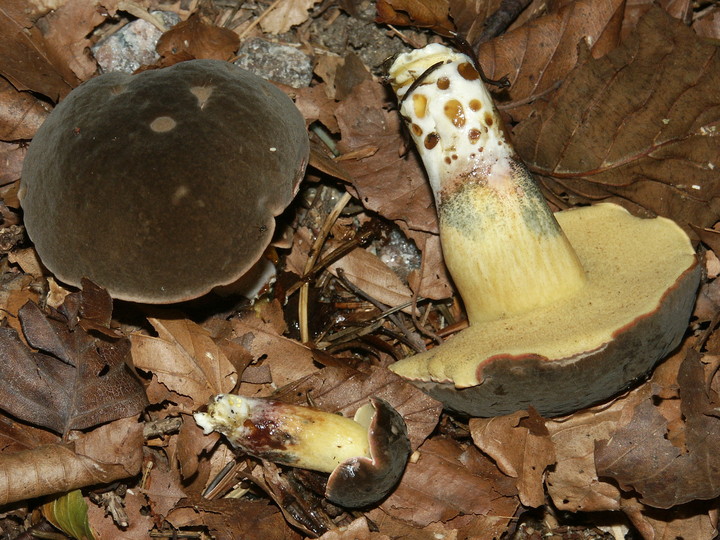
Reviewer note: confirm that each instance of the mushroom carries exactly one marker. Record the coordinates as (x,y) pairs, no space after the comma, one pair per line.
(565,309)
(162,185)
(366,456)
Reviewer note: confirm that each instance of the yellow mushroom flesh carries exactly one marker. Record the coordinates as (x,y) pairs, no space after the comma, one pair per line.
(293,435)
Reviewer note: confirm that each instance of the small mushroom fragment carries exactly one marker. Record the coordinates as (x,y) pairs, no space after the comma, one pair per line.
(366,456)
(565,310)
(162,185)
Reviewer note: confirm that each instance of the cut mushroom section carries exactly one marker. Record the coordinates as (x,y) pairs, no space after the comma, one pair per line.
(162,185)
(565,310)
(366,456)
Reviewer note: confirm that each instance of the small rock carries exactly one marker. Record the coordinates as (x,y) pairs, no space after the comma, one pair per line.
(133,45)
(276,62)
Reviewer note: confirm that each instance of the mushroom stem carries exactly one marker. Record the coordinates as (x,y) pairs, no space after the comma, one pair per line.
(289,434)
(503,246)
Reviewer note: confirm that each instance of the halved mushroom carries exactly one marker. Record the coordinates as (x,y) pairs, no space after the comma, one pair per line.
(563,312)
(162,185)
(366,456)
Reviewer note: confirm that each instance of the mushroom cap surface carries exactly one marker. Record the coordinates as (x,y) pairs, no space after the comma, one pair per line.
(162,185)
(362,481)
(642,277)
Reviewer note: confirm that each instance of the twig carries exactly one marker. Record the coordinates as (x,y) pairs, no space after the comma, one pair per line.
(259,18)
(413,341)
(499,21)
(330,258)
(136,10)
(310,263)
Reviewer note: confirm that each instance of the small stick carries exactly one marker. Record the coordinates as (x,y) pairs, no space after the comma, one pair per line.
(412,339)
(314,254)
(499,21)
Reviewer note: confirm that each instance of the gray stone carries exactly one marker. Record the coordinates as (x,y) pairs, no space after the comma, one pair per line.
(133,45)
(276,62)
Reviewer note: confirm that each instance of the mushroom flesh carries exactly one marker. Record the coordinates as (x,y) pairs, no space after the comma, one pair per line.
(565,309)
(365,456)
(162,185)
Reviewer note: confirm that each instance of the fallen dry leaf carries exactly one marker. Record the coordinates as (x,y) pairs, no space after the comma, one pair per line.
(185,359)
(283,360)
(197,39)
(695,520)
(470,17)
(233,518)
(538,56)
(573,483)
(520,444)
(28,62)
(139,521)
(21,114)
(286,15)
(83,382)
(11,158)
(450,480)
(636,127)
(66,30)
(432,280)
(163,488)
(641,456)
(15,437)
(109,453)
(367,272)
(357,530)
(432,14)
(386,182)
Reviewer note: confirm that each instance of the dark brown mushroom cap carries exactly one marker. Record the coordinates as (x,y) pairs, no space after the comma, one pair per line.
(162,185)
(363,481)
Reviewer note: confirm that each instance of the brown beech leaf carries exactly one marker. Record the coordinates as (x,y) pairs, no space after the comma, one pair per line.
(357,530)
(636,127)
(104,455)
(573,484)
(163,488)
(520,445)
(28,62)
(391,184)
(21,114)
(185,359)
(432,14)
(233,518)
(367,272)
(198,39)
(15,436)
(279,360)
(470,17)
(697,520)
(11,156)
(432,280)
(139,521)
(641,456)
(286,15)
(344,390)
(83,382)
(537,56)
(451,480)
(66,32)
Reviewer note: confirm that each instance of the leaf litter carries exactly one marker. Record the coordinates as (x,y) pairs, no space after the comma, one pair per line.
(603,105)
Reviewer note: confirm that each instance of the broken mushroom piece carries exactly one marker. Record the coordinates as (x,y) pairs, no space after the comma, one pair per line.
(162,185)
(565,310)
(366,456)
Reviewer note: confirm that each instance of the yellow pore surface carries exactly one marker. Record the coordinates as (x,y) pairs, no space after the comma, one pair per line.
(629,264)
